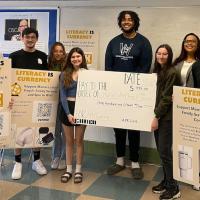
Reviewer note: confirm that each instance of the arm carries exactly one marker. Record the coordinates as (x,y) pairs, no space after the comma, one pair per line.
(63,95)
(145,58)
(63,99)
(166,96)
(196,74)
(44,62)
(108,58)
(12,60)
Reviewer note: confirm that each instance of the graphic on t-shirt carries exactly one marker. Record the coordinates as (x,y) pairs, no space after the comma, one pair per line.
(125,49)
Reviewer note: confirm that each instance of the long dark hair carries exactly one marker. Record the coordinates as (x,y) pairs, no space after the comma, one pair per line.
(183,54)
(161,70)
(52,61)
(69,68)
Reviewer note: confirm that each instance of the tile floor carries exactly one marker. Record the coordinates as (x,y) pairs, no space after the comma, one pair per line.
(96,185)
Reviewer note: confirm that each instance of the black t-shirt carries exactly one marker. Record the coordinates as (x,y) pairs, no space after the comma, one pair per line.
(29,60)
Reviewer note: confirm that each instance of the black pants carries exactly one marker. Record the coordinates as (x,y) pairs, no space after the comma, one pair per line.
(134,143)
(163,138)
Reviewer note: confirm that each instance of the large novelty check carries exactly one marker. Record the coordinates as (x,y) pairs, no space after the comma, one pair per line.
(116,99)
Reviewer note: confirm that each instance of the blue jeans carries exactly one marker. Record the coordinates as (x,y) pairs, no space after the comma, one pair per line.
(59,147)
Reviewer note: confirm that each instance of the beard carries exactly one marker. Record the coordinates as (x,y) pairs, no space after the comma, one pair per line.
(129,30)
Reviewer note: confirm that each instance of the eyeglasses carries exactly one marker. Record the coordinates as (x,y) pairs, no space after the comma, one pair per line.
(190,42)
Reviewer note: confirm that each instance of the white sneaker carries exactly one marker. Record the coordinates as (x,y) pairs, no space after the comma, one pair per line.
(17,171)
(39,167)
(62,164)
(195,188)
(55,163)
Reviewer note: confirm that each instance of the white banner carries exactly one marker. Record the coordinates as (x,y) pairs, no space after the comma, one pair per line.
(14,20)
(85,38)
(35,94)
(5,97)
(186,135)
(116,99)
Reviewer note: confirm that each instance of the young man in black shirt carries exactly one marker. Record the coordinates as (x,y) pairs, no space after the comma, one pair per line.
(29,58)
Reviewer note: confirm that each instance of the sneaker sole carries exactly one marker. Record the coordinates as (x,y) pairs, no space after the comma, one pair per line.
(196,188)
(61,168)
(13,178)
(115,171)
(158,192)
(39,173)
(178,195)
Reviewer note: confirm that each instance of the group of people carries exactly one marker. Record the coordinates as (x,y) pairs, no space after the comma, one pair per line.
(128,52)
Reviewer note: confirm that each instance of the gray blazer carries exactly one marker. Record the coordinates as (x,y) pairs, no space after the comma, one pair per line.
(189,76)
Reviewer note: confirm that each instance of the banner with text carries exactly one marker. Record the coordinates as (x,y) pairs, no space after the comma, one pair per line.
(116,99)
(186,135)
(35,95)
(5,97)
(85,38)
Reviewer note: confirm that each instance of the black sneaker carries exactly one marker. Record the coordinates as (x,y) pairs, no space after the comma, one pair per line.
(160,188)
(170,194)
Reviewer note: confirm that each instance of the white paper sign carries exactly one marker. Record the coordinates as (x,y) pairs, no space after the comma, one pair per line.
(186,135)
(5,98)
(116,99)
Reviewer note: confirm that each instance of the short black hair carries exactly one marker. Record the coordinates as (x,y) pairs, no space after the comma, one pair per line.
(29,30)
(134,17)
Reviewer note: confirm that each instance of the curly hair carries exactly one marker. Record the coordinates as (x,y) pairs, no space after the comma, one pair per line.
(134,17)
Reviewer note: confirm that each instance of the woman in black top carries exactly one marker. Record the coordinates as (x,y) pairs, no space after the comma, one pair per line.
(167,77)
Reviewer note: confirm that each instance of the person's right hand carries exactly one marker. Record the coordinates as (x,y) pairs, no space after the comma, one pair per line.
(154,124)
(71,119)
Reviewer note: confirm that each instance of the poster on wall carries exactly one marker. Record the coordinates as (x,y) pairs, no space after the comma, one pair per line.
(14,21)
(115,99)
(35,95)
(5,97)
(186,135)
(85,38)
